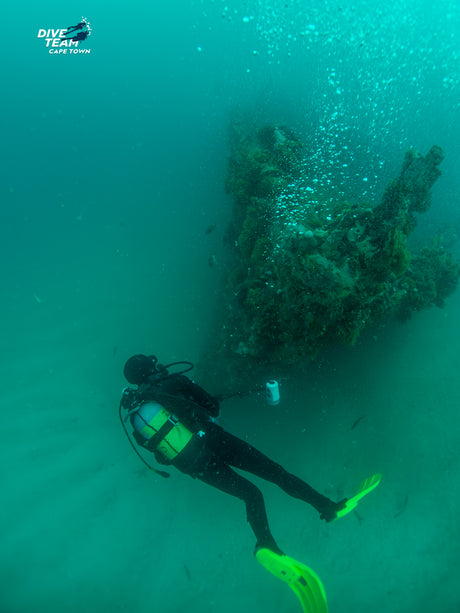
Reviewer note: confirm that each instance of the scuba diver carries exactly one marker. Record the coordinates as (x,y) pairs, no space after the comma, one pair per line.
(79,26)
(174,418)
(77,37)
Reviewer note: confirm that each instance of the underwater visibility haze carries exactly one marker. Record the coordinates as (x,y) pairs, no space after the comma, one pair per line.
(142,190)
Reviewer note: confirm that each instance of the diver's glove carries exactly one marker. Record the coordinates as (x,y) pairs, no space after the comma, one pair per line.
(329,511)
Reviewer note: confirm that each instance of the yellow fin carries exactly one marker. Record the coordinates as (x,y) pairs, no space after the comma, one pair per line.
(366,486)
(304,582)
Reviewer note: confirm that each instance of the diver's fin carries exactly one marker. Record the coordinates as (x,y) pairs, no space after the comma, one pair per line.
(366,486)
(302,580)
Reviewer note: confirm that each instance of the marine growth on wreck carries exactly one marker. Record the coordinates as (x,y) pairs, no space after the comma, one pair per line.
(308,270)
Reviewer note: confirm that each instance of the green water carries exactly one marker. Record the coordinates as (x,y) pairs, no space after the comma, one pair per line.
(113,166)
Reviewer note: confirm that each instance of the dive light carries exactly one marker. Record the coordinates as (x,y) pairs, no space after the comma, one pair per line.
(272,391)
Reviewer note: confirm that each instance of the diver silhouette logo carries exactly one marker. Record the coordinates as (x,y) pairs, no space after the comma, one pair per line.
(83,30)
(65,41)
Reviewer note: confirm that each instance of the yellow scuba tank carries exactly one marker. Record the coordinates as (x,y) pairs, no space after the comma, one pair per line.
(161,429)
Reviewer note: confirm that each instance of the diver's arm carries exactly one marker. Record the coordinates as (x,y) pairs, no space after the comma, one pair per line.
(183,397)
(200,396)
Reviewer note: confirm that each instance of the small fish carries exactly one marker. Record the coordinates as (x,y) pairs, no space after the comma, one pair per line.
(210,228)
(402,508)
(114,351)
(357,421)
(187,572)
(212,260)
(358,517)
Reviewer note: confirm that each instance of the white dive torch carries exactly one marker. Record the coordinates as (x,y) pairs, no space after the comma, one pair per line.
(272,391)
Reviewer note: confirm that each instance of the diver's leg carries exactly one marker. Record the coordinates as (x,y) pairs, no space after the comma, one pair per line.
(227,480)
(240,454)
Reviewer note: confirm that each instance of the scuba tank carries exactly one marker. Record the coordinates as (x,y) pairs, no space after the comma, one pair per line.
(162,431)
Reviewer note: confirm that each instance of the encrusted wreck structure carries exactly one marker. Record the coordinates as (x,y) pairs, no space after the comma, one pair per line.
(306,270)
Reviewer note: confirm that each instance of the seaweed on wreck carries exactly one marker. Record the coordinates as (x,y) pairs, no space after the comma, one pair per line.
(305,274)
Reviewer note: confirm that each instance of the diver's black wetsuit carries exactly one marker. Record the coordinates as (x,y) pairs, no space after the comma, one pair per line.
(212,452)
